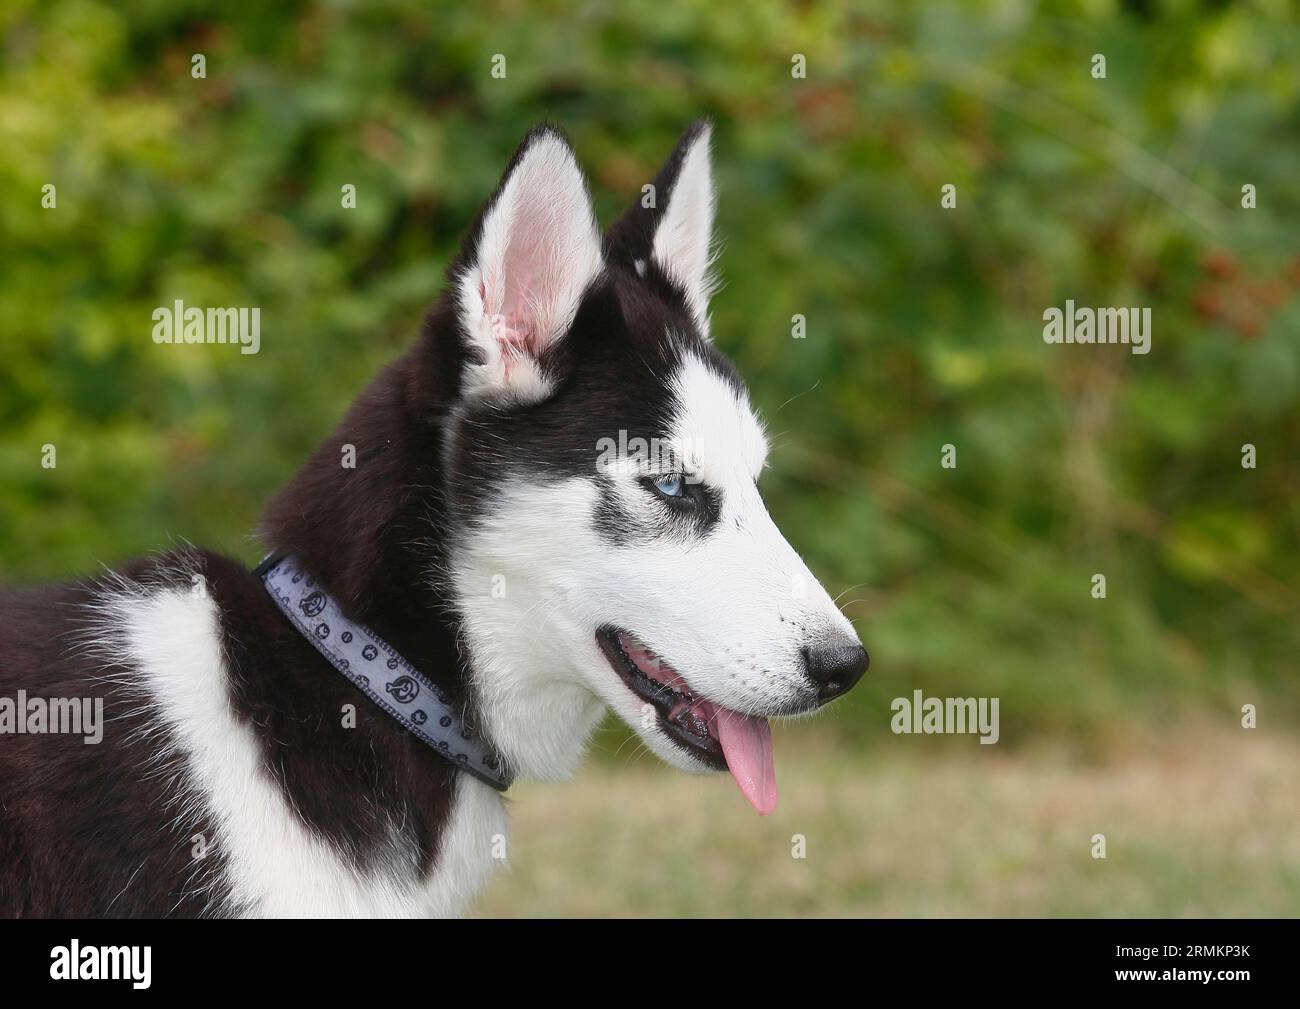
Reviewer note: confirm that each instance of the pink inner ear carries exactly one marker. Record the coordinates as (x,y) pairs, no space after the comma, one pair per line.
(515,338)
(536,283)
(514,333)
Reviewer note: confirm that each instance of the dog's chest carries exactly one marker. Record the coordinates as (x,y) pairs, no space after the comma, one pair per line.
(307,879)
(273,863)
(323,884)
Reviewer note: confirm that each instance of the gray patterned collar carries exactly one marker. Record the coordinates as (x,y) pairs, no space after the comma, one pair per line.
(376,669)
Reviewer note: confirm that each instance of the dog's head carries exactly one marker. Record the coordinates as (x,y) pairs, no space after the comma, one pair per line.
(610,545)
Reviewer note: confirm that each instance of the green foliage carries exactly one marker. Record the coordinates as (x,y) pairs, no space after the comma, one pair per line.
(924,324)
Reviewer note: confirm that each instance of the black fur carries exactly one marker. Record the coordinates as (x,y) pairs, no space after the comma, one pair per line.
(85,831)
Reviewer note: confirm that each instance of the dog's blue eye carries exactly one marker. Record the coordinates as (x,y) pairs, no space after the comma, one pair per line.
(670,485)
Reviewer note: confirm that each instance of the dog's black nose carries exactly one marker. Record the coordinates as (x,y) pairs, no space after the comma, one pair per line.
(835,668)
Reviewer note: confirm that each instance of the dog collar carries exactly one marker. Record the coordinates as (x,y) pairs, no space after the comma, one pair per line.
(379,672)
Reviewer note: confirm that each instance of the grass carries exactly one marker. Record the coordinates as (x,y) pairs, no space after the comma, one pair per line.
(1197,823)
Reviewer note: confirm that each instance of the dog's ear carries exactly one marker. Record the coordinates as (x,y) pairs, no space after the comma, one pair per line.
(671,224)
(524,269)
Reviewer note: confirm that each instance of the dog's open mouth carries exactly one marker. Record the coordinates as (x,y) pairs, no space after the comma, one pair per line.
(716,736)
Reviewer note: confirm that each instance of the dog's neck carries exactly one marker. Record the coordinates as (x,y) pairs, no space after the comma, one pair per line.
(355,520)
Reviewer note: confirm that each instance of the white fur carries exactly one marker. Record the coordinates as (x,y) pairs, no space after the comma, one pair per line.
(169,640)
(683,240)
(538,251)
(729,611)
(528,647)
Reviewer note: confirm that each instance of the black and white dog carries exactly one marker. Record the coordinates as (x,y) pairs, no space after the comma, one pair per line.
(554,510)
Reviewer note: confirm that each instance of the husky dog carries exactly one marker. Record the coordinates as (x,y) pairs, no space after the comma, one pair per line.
(554,510)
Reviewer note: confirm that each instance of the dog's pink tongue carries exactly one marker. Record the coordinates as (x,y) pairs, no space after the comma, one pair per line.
(747,745)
